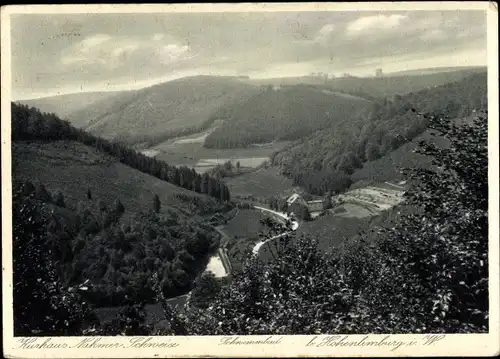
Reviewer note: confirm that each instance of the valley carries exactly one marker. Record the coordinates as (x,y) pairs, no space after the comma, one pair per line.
(180,192)
(190,151)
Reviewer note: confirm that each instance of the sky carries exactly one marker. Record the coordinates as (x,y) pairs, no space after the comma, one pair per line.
(67,53)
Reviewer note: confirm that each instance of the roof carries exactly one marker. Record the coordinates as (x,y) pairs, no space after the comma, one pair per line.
(293,198)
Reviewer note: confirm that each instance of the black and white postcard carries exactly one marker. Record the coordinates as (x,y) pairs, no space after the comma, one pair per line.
(250,180)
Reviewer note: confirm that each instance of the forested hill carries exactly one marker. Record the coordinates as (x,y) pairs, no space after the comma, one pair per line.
(325,160)
(64,105)
(92,213)
(283,113)
(162,111)
(32,125)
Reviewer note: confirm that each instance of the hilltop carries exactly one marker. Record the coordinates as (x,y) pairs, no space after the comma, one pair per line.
(64,105)
(162,111)
(385,86)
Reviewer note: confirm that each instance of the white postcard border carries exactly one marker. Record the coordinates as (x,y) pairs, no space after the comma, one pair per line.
(287,345)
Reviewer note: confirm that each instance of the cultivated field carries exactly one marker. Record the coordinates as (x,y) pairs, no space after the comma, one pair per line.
(368,201)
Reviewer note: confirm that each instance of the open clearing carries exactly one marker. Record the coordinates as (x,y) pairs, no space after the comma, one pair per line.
(245,162)
(80,167)
(262,182)
(190,152)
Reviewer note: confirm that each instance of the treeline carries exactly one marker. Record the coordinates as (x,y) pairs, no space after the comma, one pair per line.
(92,243)
(284,114)
(32,125)
(324,161)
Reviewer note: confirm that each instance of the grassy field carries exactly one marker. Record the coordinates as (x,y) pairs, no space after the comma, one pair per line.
(246,223)
(260,183)
(241,234)
(73,168)
(190,153)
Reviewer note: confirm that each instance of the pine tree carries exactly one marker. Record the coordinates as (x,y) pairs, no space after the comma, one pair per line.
(156,203)
(42,194)
(59,199)
(118,207)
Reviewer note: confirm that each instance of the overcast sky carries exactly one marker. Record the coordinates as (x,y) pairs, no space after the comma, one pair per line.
(94,52)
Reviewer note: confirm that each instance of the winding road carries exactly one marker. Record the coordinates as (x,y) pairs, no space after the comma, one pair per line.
(295,225)
(215,264)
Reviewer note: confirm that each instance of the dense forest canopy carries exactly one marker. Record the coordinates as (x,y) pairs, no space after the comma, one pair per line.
(159,112)
(325,160)
(118,256)
(287,113)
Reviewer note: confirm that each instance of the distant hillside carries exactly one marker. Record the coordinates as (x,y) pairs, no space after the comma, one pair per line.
(388,167)
(386,86)
(63,105)
(434,70)
(159,112)
(325,160)
(284,113)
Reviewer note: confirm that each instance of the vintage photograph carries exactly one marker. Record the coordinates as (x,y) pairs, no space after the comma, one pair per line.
(249,173)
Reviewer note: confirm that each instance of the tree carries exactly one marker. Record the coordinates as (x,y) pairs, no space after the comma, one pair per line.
(156,203)
(327,204)
(102,206)
(28,189)
(42,194)
(118,207)
(372,151)
(263,299)
(59,199)
(206,288)
(228,166)
(432,266)
(42,306)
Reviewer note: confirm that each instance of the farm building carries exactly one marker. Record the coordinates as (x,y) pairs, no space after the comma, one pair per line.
(296,198)
(315,206)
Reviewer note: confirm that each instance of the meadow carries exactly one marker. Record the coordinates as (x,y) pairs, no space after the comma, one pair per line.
(263,182)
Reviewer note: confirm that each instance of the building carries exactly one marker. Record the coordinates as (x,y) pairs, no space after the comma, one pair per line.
(316,205)
(296,198)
